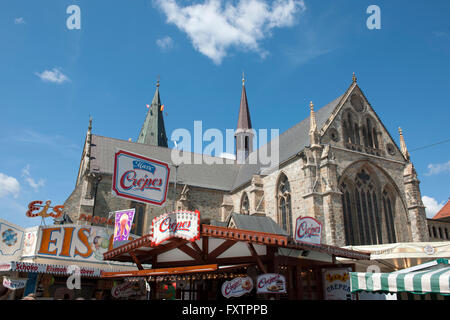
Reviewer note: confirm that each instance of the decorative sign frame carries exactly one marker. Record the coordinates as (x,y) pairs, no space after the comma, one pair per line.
(123,225)
(140,178)
(308,229)
(179,224)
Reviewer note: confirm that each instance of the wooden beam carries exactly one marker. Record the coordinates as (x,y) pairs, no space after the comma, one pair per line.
(205,247)
(136,260)
(196,247)
(161,271)
(190,252)
(221,249)
(256,256)
(174,243)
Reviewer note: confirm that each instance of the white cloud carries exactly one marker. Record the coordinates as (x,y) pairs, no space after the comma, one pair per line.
(9,185)
(438,168)
(165,43)
(19,20)
(35,185)
(54,76)
(213,27)
(432,206)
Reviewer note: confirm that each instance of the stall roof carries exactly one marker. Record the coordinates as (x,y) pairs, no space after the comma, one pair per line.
(396,256)
(426,278)
(140,249)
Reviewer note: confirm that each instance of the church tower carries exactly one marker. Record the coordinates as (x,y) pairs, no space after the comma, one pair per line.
(244,132)
(153,131)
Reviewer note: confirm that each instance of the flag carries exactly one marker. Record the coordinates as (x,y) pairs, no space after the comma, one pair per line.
(162,107)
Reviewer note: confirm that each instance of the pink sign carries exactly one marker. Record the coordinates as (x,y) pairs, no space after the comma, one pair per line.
(140,178)
(308,230)
(124,220)
(237,287)
(180,224)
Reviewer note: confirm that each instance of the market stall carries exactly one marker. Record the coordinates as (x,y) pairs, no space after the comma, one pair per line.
(431,278)
(41,259)
(220,263)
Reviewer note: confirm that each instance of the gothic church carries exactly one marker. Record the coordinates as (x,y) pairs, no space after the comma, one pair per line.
(340,166)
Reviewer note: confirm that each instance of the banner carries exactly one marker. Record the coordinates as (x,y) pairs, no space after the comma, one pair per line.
(308,229)
(52,269)
(271,283)
(14,284)
(124,221)
(180,224)
(237,287)
(140,178)
(129,288)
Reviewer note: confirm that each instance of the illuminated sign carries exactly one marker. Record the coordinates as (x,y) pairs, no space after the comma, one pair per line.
(180,224)
(140,178)
(36,205)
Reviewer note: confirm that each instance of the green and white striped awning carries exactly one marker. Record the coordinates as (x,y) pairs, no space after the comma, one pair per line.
(430,277)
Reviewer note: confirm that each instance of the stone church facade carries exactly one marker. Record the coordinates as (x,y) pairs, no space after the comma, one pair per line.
(340,166)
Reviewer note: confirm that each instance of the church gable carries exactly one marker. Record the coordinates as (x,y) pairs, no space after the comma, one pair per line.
(354,125)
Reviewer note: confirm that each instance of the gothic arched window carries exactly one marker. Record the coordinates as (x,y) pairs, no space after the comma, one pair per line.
(284,203)
(370,134)
(366,213)
(245,204)
(389,207)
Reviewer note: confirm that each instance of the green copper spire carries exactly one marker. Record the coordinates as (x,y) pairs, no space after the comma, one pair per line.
(153,131)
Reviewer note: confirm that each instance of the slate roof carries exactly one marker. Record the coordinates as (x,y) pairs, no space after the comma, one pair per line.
(214,176)
(256,223)
(225,177)
(291,142)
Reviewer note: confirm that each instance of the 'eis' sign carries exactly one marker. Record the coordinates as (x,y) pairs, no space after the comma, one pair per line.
(140,178)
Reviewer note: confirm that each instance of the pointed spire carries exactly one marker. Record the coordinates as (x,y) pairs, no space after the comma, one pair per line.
(403,144)
(313,132)
(244,121)
(313,124)
(90,124)
(354,78)
(153,131)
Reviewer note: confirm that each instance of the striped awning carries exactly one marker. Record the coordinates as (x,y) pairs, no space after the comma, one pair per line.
(431,277)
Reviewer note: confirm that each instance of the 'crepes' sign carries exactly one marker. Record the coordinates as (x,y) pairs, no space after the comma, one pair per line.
(308,230)
(179,224)
(140,178)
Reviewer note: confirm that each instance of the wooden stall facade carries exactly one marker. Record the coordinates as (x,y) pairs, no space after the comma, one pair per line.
(222,253)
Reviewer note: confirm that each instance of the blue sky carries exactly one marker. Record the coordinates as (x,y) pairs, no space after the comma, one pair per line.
(53,78)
